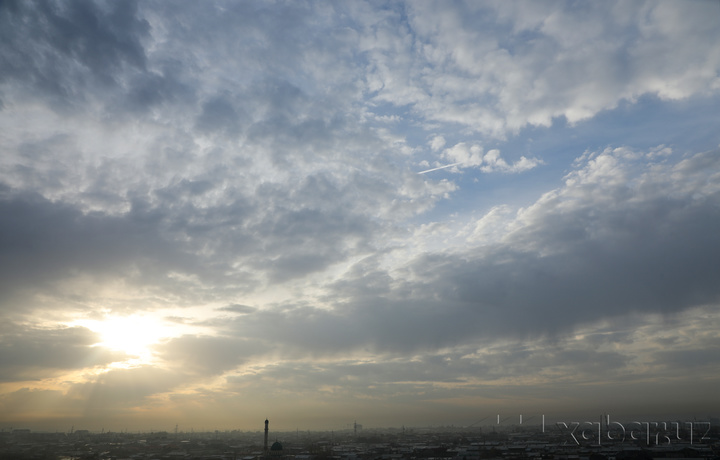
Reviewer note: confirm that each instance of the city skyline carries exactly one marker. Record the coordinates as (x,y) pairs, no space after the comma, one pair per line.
(400,213)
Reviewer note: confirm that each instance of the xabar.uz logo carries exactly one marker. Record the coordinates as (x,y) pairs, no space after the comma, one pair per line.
(652,433)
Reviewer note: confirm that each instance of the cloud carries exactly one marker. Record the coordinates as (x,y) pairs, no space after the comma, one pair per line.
(249,174)
(561,372)
(37,353)
(120,392)
(46,243)
(620,237)
(468,156)
(493,163)
(237,308)
(208,356)
(437,143)
(551,63)
(463,156)
(61,47)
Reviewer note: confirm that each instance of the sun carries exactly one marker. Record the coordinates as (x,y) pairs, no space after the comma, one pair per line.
(134,335)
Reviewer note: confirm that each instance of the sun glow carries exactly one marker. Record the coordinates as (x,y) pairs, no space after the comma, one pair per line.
(133,335)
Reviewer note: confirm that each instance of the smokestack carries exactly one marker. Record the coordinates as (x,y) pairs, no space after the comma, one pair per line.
(265,447)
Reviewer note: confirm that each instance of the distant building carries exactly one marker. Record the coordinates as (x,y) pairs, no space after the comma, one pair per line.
(265,446)
(21,432)
(276,450)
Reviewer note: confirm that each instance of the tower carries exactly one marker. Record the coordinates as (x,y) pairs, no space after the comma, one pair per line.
(265,447)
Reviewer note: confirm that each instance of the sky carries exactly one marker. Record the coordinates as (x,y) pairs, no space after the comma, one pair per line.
(396,213)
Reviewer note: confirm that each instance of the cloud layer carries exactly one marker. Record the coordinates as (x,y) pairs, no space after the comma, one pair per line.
(243,179)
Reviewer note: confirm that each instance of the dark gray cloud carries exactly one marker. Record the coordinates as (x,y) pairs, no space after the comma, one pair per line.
(208,356)
(237,308)
(220,114)
(34,353)
(442,375)
(651,251)
(702,356)
(61,47)
(45,242)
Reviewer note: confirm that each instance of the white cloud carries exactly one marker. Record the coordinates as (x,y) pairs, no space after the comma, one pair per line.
(472,156)
(493,163)
(571,62)
(468,156)
(437,143)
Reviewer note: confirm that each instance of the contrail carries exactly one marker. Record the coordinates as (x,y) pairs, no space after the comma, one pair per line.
(441,167)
